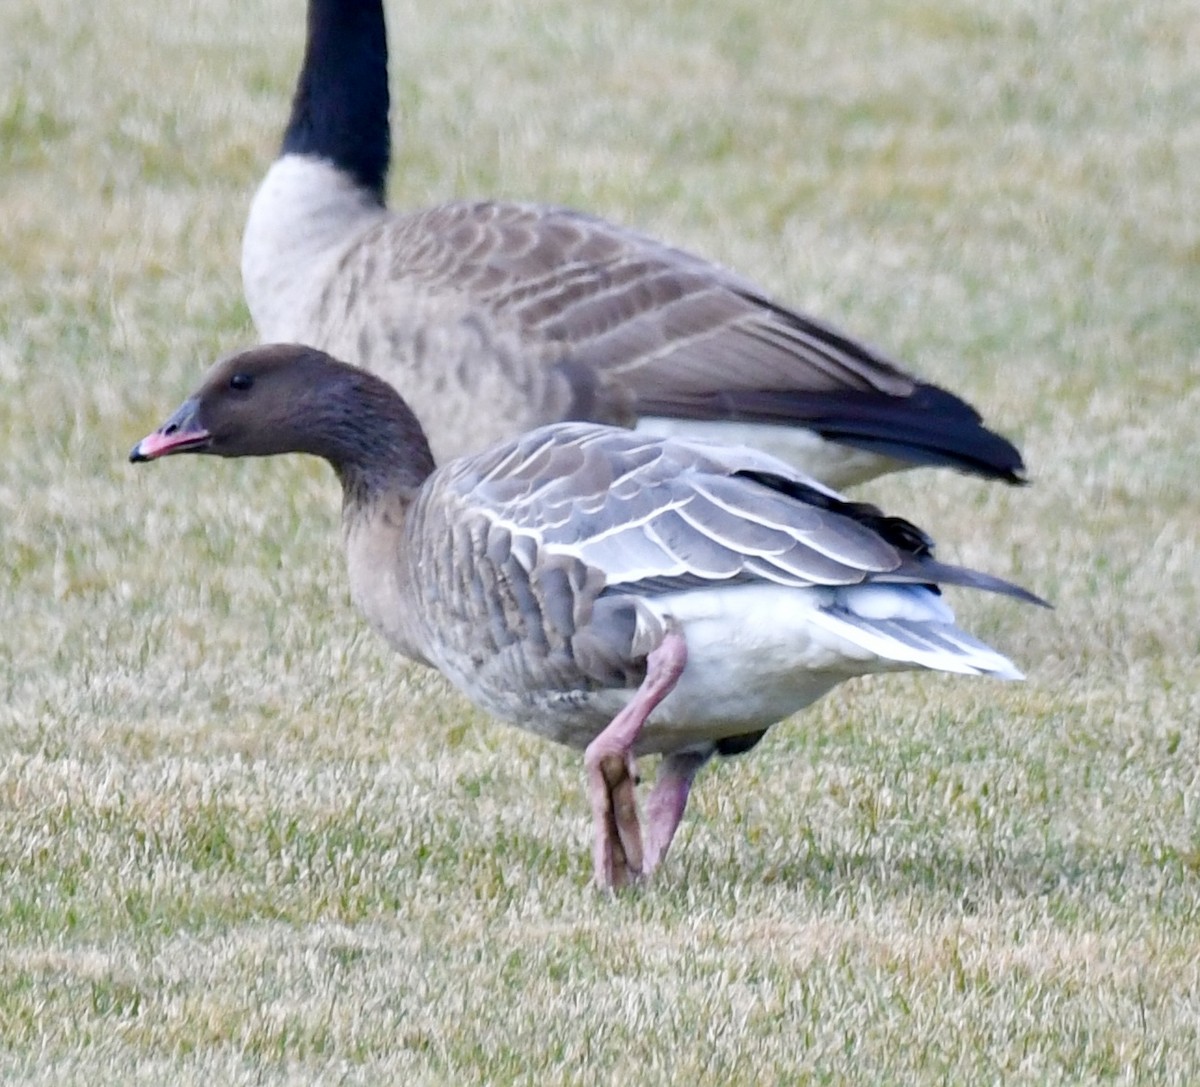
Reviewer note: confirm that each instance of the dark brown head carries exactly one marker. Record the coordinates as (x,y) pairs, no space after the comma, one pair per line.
(286,398)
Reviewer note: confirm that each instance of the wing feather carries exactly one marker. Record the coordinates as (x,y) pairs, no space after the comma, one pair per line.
(625,514)
(648,511)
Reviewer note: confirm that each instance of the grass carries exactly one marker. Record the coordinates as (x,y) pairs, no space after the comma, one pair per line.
(241,843)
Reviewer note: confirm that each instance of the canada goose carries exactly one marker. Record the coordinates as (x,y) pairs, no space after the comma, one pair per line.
(544,314)
(621,593)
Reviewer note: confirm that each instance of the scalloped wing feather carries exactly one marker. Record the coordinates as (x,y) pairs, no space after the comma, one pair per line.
(647,511)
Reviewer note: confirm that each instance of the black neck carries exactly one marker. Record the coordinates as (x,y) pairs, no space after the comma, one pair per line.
(340,109)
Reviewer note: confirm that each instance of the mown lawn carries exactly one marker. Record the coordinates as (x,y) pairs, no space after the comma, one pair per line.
(242,843)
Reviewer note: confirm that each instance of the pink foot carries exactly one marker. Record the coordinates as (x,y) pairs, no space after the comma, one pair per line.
(617,850)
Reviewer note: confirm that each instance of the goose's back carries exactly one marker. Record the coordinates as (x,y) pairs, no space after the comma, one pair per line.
(494,318)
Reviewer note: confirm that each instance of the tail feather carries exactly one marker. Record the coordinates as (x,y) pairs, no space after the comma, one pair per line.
(944,573)
(938,645)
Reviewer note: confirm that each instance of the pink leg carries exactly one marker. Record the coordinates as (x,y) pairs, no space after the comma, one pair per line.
(667,801)
(612,768)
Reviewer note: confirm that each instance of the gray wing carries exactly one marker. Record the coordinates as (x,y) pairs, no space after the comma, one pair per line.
(639,328)
(654,515)
(531,559)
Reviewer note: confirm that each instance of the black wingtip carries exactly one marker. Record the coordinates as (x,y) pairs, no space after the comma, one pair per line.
(929,428)
(932,427)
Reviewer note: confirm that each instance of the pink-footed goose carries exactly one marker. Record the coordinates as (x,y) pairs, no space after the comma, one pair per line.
(545,314)
(621,593)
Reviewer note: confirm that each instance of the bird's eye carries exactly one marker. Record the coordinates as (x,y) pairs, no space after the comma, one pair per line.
(241,382)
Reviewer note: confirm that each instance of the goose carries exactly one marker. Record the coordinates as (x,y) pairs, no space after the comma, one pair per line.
(620,593)
(544,314)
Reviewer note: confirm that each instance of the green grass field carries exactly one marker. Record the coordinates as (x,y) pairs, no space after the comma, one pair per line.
(241,843)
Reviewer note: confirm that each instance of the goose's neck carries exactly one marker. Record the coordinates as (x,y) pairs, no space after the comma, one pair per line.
(382,460)
(371,491)
(377,449)
(326,189)
(340,109)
